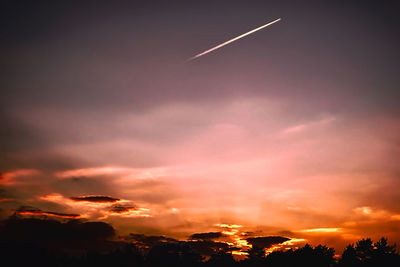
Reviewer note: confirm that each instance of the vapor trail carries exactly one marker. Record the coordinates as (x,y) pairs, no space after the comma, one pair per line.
(234,39)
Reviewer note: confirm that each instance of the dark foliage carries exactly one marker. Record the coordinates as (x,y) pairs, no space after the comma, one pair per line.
(367,253)
(321,256)
(37,230)
(46,242)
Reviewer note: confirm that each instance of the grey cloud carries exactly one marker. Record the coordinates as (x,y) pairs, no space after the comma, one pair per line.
(206,236)
(266,241)
(95,199)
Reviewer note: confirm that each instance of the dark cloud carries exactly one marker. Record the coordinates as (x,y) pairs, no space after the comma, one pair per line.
(14,137)
(117,208)
(96,199)
(5,193)
(206,236)
(27,210)
(266,241)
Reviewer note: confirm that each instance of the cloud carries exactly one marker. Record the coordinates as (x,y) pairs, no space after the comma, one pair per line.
(126,210)
(308,125)
(206,236)
(10,178)
(266,241)
(27,210)
(98,207)
(95,199)
(321,230)
(122,208)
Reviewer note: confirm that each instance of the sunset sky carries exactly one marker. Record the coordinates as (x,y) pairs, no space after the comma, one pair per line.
(292,131)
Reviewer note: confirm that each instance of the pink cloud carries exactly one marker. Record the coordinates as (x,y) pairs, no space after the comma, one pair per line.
(11,178)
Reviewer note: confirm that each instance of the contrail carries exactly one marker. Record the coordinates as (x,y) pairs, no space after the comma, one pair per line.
(234,39)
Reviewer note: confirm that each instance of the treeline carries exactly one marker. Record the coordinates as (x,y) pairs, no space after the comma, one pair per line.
(364,253)
(35,242)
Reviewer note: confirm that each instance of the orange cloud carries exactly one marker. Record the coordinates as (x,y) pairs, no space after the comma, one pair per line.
(138,173)
(25,210)
(321,230)
(126,211)
(99,207)
(10,178)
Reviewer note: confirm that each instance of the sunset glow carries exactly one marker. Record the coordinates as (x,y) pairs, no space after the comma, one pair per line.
(288,137)
(321,230)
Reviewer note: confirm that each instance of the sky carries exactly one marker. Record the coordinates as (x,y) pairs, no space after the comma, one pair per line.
(292,131)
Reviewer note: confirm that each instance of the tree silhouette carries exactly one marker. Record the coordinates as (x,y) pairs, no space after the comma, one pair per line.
(384,254)
(324,256)
(221,258)
(382,248)
(364,250)
(256,256)
(367,253)
(46,242)
(349,257)
(172,254)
